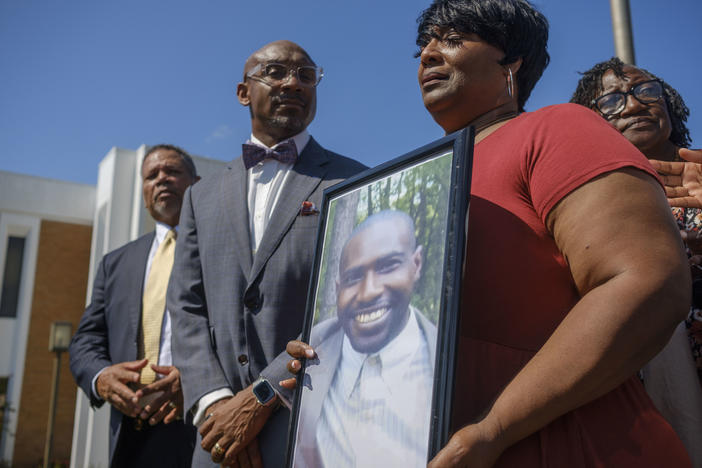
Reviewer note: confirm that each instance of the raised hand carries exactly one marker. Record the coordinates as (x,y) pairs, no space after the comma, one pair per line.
(683,179)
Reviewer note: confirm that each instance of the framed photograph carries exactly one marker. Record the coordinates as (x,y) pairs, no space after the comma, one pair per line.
(382,313)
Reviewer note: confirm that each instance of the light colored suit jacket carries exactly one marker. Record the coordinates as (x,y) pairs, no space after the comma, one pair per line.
(327,339)
(233,312)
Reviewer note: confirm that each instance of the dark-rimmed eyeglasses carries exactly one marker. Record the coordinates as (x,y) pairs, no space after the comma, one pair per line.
(275,73)
(614,103)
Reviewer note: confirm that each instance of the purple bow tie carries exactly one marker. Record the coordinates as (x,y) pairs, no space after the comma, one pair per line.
(285,152)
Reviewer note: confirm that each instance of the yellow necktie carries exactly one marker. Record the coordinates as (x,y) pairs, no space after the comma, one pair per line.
(154,304)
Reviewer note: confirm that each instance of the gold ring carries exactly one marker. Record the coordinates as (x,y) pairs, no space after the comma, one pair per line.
(217,452)
(172,405)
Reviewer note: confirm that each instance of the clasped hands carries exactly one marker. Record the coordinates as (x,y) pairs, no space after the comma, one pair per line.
(167,405)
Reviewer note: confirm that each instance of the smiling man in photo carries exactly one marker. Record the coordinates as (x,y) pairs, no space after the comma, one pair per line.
(371,390)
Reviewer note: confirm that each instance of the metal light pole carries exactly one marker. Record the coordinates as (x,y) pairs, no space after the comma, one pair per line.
(59,339)
(621,26)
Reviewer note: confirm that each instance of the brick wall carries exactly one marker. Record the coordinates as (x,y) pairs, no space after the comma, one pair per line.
(60,287)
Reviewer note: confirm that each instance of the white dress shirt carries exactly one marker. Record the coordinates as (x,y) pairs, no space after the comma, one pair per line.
(378,407)
(265,183)
(164,349)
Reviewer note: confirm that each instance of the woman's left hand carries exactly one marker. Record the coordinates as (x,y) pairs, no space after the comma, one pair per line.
(471,447)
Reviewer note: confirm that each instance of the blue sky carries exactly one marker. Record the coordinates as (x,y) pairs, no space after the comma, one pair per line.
(78,77)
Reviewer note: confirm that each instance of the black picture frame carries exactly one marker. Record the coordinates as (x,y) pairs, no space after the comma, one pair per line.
(342,210)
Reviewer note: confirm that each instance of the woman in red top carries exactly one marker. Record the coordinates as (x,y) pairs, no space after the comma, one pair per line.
(570,287)
(575,273)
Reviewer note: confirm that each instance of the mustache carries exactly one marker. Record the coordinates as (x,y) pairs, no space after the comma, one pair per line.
(280,98)
(167,190)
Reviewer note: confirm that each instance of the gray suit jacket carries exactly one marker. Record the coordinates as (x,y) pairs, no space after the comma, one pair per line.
(233,313)
(327,339)
(107,332)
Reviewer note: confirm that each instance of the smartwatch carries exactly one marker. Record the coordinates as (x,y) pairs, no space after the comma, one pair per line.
(263,391)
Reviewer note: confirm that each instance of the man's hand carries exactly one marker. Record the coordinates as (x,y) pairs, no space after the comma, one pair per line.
(250,457)
(298,350)
(168,405)
(233,424)
(112,387)
(473,446)
(682,180)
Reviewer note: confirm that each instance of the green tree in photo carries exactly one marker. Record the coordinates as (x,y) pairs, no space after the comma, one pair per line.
(422,191)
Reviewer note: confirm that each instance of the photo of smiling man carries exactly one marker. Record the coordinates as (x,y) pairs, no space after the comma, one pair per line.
(371,388)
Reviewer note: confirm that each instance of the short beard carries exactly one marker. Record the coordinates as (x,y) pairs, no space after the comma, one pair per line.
(165,212)
(292,125)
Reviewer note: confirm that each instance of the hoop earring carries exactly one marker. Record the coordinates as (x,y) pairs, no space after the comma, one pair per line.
(510,83)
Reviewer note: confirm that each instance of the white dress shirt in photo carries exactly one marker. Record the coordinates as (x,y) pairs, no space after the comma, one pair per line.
(378,407)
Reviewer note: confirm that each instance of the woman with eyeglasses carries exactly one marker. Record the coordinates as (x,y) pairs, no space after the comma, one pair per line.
(651,114)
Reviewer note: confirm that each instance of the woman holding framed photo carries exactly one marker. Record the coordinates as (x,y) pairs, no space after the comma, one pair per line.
(575,276)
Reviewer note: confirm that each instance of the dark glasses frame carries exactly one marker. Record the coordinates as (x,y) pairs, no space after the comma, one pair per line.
(636,91)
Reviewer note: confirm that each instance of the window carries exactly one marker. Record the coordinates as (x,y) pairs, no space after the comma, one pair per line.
(12,276)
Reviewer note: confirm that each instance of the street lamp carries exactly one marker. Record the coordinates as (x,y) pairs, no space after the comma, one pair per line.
(59,339)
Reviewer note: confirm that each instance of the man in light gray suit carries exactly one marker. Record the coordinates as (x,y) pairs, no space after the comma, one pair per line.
(243,261)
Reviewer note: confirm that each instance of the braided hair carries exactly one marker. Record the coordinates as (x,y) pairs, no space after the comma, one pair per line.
(590,86)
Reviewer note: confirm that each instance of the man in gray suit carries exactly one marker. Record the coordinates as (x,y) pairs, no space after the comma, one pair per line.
(367,398)
(243,261)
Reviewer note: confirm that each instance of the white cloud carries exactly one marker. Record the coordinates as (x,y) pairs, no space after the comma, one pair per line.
(222,132)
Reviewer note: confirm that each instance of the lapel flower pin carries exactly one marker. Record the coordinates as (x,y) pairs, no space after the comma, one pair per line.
(308,209)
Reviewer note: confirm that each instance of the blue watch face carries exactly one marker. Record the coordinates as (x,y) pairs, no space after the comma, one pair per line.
(263,392)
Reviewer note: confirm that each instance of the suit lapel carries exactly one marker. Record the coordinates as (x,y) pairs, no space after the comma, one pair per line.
(137,263)
(324,374)
(303,179)
(235,201)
